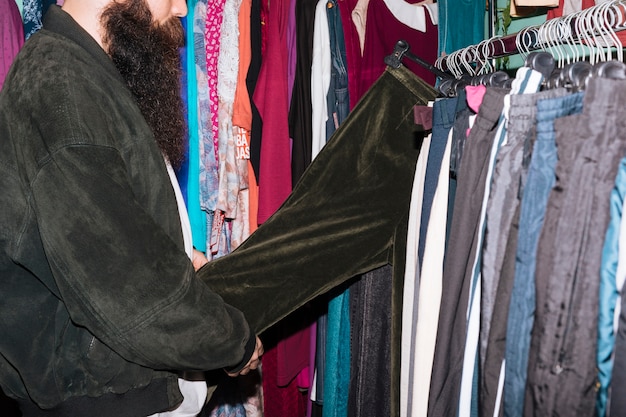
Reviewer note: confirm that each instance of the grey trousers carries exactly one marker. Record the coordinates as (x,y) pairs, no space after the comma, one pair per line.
(562,363)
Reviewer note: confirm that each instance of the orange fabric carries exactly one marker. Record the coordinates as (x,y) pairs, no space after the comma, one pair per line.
(242,110)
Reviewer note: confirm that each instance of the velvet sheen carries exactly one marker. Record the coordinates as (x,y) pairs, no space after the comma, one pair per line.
(341,219)
(346,216)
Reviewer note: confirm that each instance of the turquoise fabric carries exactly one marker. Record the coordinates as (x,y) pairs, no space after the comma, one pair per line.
(197,218)
(461,23)
(609,294)
(337,372)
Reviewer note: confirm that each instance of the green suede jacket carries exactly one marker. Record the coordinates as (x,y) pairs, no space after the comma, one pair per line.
(98,297)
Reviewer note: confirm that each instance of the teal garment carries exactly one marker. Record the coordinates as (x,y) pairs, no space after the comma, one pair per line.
(197,218)
(182,171)
(609,293)
(337,359)
(461,23)
(337,364)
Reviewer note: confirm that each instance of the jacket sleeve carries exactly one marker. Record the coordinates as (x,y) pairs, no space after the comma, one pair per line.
(121,276)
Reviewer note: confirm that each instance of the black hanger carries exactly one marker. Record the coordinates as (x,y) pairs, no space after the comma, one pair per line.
(497,79)
(610,69)
(574,76)
(401,50)
(555,80)
(542,62)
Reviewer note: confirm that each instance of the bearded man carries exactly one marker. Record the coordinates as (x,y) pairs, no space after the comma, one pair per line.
(101,312)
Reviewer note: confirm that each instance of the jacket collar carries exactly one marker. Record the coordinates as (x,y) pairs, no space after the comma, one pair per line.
(60,22)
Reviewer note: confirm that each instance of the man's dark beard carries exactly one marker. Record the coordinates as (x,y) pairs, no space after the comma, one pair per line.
(146,54)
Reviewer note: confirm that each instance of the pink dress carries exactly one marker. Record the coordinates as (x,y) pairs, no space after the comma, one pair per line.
(271,99)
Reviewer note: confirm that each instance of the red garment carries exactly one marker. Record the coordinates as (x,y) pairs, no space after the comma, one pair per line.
(280,402)
(558,11)
(270,97)
(382,32)
(293,350)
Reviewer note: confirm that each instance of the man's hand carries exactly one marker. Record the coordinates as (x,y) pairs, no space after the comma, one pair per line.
(254,361)
(198,260)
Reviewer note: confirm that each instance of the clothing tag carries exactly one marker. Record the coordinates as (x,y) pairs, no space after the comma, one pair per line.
(423,116)
(243,144)
(336,120)
(218,221)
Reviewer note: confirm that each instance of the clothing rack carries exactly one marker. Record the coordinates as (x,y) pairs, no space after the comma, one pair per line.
(595,27)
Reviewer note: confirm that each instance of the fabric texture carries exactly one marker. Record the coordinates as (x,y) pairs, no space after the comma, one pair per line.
(451,331)
(562,365)
(460,24)
(74,199)
(539,181)
(321,236)
(609,292)
(11,35)
(370,369)
(270,97)
(382,32)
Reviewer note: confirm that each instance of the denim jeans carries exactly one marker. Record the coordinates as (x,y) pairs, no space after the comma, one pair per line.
(337,99)
(444,113)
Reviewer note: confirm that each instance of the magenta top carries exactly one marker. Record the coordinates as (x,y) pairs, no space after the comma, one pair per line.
(12,36)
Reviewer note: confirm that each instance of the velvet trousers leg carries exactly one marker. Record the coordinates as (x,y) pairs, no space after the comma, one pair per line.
(346,216)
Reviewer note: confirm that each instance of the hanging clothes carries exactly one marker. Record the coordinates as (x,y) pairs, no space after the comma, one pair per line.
(503,206)
(423,292)
(11,36)
(521,308)
(33,12)
(562,364)
(388,155)
(347,10)
(197,217)
(256,43)
(451,331)
(369,390)
(270,96)
(384,29)
(337,362)
(610,290)
(301,109)
(412,280)
(460,24)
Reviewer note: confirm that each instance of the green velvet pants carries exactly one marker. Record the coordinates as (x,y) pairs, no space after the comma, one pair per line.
(347,215)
